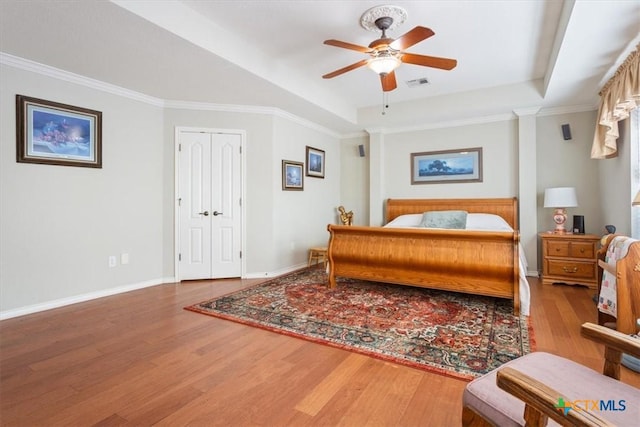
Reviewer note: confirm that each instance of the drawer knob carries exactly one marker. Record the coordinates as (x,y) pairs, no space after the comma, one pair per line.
(582,250)
(570,270)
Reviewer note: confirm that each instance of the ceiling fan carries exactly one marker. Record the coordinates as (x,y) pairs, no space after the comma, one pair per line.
(386,54)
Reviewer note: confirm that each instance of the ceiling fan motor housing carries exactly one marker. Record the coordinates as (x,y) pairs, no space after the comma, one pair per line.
(384,23)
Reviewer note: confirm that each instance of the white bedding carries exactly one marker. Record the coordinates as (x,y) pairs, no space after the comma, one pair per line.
(480,222)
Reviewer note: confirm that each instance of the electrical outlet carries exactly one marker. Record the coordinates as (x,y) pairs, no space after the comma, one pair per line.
(124,258)
(112,261)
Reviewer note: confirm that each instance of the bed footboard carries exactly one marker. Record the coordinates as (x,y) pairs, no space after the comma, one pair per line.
(474,262)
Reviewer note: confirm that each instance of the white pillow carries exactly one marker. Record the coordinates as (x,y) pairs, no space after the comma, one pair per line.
(410,220)
(482,221)
(475,221)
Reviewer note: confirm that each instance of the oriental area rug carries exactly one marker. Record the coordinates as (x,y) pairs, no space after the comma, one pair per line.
(454,334)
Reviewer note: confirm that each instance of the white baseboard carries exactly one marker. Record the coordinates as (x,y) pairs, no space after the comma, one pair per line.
(48,305)
(269,274)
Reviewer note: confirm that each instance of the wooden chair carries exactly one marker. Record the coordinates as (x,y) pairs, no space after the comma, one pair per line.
(533,388)
(627,274)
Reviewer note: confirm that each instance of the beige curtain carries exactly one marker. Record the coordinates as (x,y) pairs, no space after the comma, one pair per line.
(619,96)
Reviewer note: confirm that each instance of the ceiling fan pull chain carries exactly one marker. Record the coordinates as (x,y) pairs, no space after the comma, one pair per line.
(385,102)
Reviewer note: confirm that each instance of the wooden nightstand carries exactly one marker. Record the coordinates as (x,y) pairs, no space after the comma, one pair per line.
(570,258)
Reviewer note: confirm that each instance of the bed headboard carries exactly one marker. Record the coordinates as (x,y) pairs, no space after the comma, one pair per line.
(507,208)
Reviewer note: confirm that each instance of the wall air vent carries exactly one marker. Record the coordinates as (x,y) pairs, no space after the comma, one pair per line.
(417,82)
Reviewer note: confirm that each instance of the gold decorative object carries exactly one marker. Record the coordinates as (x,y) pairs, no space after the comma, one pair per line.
(345,217)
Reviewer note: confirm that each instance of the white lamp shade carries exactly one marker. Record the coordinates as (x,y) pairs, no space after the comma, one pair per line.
(560,197)
(636,200)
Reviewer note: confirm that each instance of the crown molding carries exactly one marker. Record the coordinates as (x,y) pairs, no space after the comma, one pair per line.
(250,109)
(352,135)
(554,111)
(527,111)
(444,124)
(56,73)
(517,112)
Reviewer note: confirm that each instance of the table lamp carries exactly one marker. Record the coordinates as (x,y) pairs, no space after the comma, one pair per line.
(560,198)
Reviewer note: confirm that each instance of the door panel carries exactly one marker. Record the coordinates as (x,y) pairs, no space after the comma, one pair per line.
(195,246)
(227,224)
(195,226)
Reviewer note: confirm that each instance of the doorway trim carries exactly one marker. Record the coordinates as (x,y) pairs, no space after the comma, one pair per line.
(176,196)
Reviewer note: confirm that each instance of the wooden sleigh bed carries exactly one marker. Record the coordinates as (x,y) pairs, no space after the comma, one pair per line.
(469,261)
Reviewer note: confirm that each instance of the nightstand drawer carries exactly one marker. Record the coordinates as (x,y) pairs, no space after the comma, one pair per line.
(582,250)
(559,248)
(568,269)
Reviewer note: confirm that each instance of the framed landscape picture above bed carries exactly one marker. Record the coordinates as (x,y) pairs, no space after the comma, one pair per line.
(447,166)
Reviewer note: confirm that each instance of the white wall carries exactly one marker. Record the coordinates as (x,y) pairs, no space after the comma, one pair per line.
(259,203)
(568,164)
(60,224)
(280,225)
(559,163)
(615,185)
(300,217)
(354,187)
(499,144)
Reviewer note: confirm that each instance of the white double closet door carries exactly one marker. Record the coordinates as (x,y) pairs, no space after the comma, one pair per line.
(209,205)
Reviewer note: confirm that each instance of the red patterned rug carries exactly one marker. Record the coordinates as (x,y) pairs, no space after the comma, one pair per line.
(458,335)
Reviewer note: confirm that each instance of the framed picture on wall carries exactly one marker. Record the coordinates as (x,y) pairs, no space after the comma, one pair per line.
(52,133)
(448,166)
(315,162)
(292,175)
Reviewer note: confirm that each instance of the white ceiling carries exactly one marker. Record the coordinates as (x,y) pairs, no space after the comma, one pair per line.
(511,54)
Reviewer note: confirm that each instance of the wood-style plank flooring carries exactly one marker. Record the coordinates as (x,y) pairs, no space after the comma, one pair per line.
(140,359)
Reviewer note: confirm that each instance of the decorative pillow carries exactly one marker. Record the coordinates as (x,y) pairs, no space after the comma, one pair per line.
(444,219)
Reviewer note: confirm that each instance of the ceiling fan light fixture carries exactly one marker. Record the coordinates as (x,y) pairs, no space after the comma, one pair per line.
(384,64)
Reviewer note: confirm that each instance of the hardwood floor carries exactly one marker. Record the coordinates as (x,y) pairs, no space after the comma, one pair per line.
(140,359)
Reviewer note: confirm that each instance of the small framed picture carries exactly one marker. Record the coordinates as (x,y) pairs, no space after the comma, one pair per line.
(57,134)
(292,175)
(315,162)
